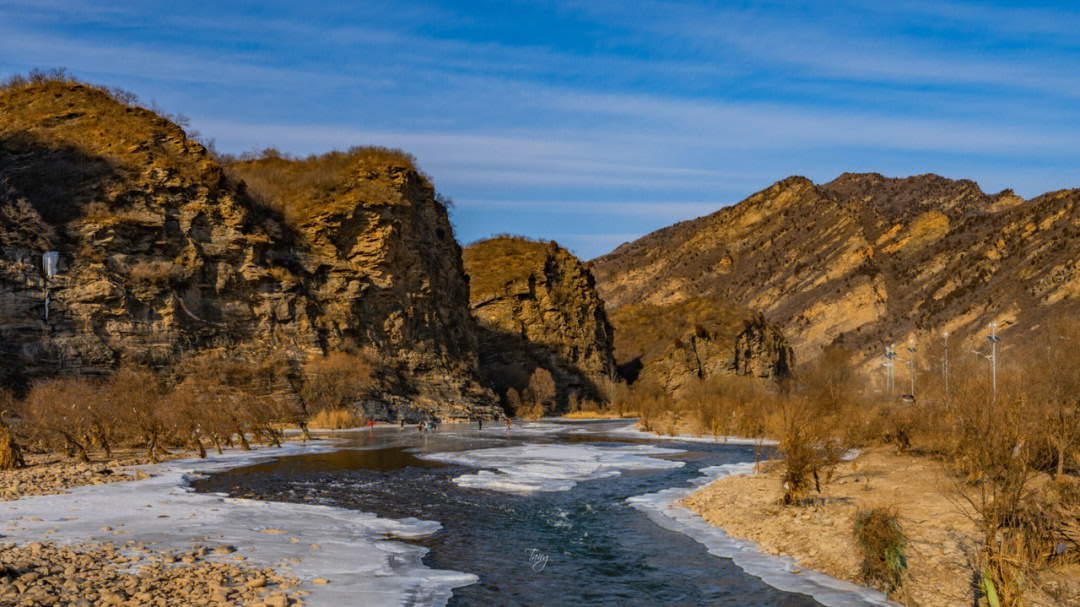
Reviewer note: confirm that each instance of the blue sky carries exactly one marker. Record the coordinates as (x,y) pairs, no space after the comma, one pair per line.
(593,123)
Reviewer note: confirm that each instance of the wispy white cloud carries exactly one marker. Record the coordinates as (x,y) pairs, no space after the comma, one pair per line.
(674,210)
(605,109)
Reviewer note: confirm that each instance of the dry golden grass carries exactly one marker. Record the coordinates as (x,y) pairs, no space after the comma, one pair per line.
(603,414)
(494,262)
(91,144)
(301,188)
(10,452)
(336,419)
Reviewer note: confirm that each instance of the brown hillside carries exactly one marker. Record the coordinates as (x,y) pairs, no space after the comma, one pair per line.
(865,260)
(161,253)
(696,338)
(536,306)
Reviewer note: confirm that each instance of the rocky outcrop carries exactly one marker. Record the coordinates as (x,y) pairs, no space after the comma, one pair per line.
(536,306)
(867,260)
(672,345)
(162,254)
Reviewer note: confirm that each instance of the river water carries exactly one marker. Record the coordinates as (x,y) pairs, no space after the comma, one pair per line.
(539,513)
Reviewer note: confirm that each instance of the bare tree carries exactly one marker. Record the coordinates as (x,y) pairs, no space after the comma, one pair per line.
(59,410)
(136,394)
(332,382)
(1055,385)
(541,392)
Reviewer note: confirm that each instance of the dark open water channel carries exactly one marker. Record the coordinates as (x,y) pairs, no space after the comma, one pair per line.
(599,550)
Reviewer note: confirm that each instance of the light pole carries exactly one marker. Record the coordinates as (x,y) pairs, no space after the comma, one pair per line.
(887,365)
(890,356)
(993,339)
(911,365)
(945,363)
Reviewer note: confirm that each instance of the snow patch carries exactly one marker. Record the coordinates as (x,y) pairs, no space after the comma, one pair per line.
(632,431)
(552,467)
(780,572)
(353,550)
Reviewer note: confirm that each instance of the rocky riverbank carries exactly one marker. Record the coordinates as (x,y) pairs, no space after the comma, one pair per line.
(96,574)
(48,475)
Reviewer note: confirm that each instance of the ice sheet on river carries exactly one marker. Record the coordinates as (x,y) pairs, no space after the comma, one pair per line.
(354,553)
(552,467)
(780,572)
(631,430)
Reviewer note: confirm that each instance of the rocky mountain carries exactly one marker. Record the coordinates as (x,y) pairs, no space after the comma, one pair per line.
(866,260)
(696,338)
(536,306)
(161,253)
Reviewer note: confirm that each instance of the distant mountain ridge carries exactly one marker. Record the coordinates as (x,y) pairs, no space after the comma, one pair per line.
(865,260)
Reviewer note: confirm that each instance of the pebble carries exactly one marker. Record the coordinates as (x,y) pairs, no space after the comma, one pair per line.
(44,573)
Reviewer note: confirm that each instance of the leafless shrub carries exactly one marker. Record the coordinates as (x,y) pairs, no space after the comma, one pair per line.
(333,383)
(883,545)
(21,226)
(10,452)
(513,401)
(335,419)
(542,388)
(59,411)
(135,395)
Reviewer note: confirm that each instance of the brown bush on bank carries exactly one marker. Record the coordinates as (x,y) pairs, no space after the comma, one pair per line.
(993,452)
(135,395)
(882,542)
(58,413)
(817,422)
(810,448)
(336,419)
(648,400)
(240,393)
(726,406)
(10,452)
(329,385)
(1054,382)
(541,390)
(536,400)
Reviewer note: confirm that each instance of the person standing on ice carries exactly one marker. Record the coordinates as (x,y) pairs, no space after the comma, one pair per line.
(480,423)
